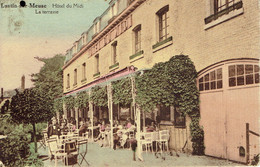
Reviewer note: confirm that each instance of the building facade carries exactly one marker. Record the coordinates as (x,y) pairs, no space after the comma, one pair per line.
(220,36)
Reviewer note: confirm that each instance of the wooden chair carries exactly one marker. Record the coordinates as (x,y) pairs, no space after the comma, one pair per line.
(52,146)
(162,142)
(147,141)
(61,154)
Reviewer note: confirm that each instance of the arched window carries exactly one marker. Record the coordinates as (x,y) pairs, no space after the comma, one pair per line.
(211,80)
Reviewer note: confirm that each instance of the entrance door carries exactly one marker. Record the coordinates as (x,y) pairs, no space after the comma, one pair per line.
(228,102)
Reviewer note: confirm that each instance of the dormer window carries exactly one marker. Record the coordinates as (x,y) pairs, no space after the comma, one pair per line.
(113,10)
(96,27)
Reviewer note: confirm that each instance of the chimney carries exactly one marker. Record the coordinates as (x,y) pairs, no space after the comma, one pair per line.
(2,94)
(23,83)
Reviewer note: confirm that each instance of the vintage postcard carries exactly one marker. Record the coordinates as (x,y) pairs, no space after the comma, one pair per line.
(129,82)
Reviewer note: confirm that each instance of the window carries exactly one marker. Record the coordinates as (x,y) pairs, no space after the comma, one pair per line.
(113,10)
(243,74)
(97,63)
(84,71)
(163,18)
(68,80)
(114,53)
(165,113)
(218,8)
(179,119)
(220,5)
(75,77)
(211,80)
(137,38)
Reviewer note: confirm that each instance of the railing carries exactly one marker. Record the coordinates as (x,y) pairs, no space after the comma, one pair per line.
(248,131)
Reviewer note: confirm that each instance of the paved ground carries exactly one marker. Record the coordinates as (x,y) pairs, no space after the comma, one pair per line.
(100,156)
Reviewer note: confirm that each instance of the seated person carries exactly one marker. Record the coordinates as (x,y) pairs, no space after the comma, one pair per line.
(129,123)
(151,128)
(53,128)
(102,128)
(64,126)
(83,128)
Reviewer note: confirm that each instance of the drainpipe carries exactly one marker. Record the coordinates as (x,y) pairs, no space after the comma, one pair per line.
(247,143)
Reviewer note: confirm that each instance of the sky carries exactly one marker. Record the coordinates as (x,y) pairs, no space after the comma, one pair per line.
(25,35)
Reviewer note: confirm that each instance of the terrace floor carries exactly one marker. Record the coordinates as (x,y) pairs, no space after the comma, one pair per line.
(104,156)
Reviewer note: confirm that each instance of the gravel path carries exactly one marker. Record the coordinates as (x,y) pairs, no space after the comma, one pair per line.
(100,156)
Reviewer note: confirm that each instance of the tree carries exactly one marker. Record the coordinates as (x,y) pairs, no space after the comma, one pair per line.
(31,107)
(49,80)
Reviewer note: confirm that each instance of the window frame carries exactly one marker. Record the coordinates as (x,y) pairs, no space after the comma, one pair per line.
(215,16)
(68,80)
(84,77)
(238,77)
(75,77)
(163,109)
(206,81)
(97,63)
(137,43)
(163,23)
(114,57)
(178,115)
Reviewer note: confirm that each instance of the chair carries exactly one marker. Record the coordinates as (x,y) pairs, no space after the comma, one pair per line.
(155,137)
(43,141)
(71,150)
(82,150)
(147,141)
(162,142)
(60,153)
(52,146)
(56,151)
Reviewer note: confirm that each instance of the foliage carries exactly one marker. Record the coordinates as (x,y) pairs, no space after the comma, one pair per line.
(58,105)
(183,85)
(182,82)
(39,129)
(69,102)
(173,83)
(122,92)
(197,136)
(30,107)
(153,88)
(82,99)
(14,148)
(99,96)
(33,159)
(49,80)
